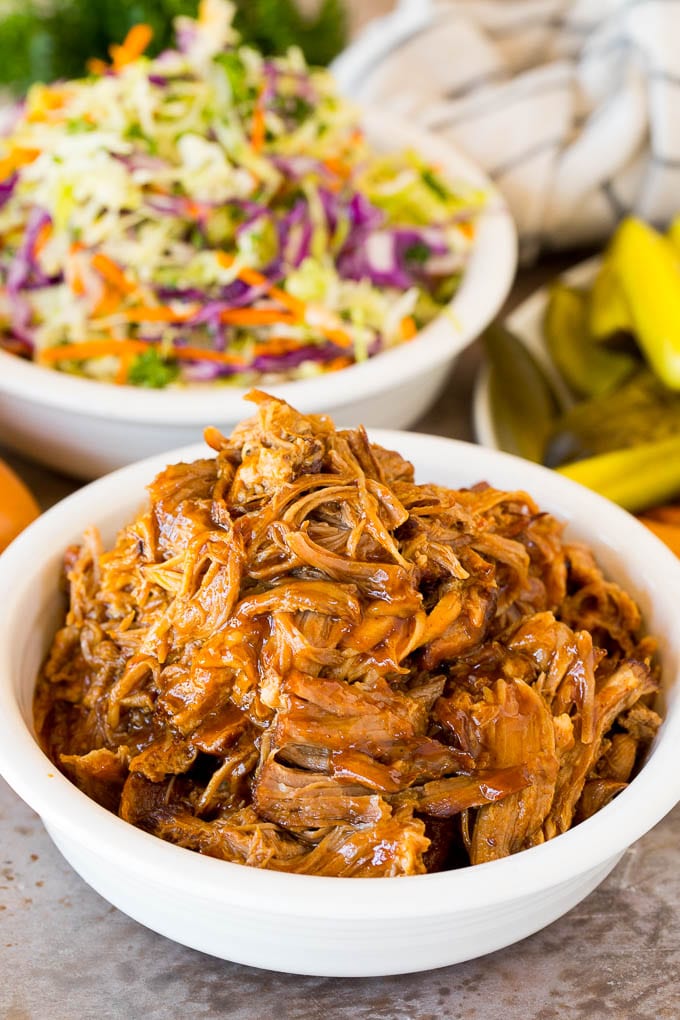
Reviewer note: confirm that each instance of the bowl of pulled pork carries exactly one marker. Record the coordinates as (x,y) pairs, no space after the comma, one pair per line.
(341,703)
(176,230)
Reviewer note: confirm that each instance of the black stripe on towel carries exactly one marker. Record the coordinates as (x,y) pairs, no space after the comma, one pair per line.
(663,77)
(666,162)
(527,154)
(474,82)
(619,209)
(490,105)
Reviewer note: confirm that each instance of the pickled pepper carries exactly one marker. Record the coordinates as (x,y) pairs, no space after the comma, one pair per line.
(608,311)
(523,404)
(648,268)
(589,369)
(636,478)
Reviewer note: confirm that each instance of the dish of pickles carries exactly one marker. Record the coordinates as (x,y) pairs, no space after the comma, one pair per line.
(585,375)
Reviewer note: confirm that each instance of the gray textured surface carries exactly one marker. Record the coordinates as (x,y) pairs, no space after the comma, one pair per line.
(65,954)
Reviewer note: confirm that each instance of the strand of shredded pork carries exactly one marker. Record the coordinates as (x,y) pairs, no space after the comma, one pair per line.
(297,658)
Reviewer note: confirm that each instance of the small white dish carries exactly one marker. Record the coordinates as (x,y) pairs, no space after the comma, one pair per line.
(333,926)
(85,428)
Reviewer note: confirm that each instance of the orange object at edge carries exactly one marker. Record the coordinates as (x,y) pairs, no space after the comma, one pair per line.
(17,506)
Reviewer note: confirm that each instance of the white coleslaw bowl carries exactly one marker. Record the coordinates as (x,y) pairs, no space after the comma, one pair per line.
(86,428)
(333,926)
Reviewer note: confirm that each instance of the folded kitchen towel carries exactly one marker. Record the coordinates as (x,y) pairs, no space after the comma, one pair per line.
(572,106)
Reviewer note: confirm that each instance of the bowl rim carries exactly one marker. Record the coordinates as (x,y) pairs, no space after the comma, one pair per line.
(485,285)
(76,818)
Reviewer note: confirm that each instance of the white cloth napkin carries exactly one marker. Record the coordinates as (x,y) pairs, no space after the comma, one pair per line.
(571,106)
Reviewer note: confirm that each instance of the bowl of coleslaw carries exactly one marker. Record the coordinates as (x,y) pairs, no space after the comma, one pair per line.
(177,230)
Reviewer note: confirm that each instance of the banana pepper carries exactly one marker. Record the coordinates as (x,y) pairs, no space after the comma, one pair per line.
(647,266)
(589,369)
(636,478)
(608,310)
(522,401)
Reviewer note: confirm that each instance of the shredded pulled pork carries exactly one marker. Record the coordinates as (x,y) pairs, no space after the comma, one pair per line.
(298,658)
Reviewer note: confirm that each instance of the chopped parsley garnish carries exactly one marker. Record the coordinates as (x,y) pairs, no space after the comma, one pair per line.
(435,184)
(151,370)
(417,253)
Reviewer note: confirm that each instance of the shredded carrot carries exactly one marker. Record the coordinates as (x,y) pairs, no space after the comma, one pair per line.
(338,167)
(255,279)
(337,336)
(73,276)
(43,237)
(91,349)
(112,273)
(199,354)
(297,309)
(467,229)
(337,363)
(159,313)
(126,350)
(134,44)
(278,345)
(257,317)
(232,316)
(107,303)
(14,346)
(258,127)
(54,97)
(46,104)
(124,366)
(17,158)
(408,327)
(96,66)
(196,209)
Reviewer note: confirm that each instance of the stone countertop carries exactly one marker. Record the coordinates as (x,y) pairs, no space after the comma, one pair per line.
(66,954)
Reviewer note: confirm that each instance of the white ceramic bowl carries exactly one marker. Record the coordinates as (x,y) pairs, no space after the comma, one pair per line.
(526,322)
(86,428)
(332,926)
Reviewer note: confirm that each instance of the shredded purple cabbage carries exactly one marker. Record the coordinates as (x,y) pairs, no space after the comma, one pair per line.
(6,189)
(356,264)
(331,208)
(253,213)
(24,260)
(292,359)
(141,161)
(20,321)
(363,214)
(206,371)
(208,314)
(185,34)
(238,294)
(297,167)
(273,74)
(41,281)
(395,269)
(10,116)
(295,234)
